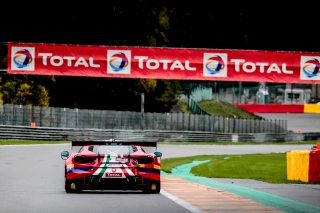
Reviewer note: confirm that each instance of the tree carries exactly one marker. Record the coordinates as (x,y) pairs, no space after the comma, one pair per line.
(25,90)
(164,96)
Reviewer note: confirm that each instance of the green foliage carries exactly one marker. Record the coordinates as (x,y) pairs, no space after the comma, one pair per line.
(3,57)
(23,90)
(147,85)
(164,96)
(159,26)
(8,90)
(23,95)
(181,106)
(41,96)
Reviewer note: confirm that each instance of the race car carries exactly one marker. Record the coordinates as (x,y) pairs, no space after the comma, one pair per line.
(112,165)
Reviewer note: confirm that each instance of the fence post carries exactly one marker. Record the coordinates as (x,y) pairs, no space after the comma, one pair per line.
(32,114)
(143,117)
(41,115)
(77,117)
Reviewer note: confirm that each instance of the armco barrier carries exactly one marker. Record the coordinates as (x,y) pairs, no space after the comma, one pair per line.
(49,133)
(312,108)
(314,164)
(303,165)
(280,108)
(272,108)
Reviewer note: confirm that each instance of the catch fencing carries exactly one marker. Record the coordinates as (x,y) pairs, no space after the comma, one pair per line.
(37,116)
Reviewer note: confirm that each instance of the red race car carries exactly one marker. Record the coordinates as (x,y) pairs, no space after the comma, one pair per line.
(113,165)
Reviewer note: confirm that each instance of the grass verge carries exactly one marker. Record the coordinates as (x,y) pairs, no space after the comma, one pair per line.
(225,109)
(270,168)
(241,143)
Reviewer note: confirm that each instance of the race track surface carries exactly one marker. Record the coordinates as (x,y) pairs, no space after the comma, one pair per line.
(32,180)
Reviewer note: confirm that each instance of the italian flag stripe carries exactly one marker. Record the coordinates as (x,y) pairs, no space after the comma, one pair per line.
(105,165)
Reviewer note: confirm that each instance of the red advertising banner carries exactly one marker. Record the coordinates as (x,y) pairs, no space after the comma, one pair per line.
(164,63)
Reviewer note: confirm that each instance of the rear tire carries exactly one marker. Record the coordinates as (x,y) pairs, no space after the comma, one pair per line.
(67,186)
(71,187)
(152,187)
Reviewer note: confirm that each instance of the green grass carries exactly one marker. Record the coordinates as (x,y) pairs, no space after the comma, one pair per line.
(217,108)
(24,142)
(240,143)
(270,168)
(221,108)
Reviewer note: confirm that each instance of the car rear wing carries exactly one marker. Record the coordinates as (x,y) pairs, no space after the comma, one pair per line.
(114,142)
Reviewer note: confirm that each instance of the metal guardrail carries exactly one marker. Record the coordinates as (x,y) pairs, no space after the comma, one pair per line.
(22,115)
(70,134)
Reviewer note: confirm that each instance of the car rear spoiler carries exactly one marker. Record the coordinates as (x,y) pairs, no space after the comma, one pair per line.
(114,142)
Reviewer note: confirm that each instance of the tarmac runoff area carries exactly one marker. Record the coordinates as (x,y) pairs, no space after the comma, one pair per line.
(237,195)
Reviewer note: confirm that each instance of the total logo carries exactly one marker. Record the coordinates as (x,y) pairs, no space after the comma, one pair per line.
(214,64)
(309,68)
(119,61)
(22,58)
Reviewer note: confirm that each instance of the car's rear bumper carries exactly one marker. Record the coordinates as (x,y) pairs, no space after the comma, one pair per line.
(118,173)
(94,182)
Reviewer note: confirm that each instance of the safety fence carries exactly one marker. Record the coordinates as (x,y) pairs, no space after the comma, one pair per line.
(37,116)
(255,93)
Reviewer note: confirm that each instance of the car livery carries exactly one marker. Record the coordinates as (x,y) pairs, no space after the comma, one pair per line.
(103,165)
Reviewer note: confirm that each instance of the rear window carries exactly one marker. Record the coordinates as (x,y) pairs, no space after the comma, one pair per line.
(112,150)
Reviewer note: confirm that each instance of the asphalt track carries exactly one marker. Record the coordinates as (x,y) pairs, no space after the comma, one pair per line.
(32,181)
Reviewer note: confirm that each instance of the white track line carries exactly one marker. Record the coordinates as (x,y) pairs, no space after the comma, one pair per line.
(181,202)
